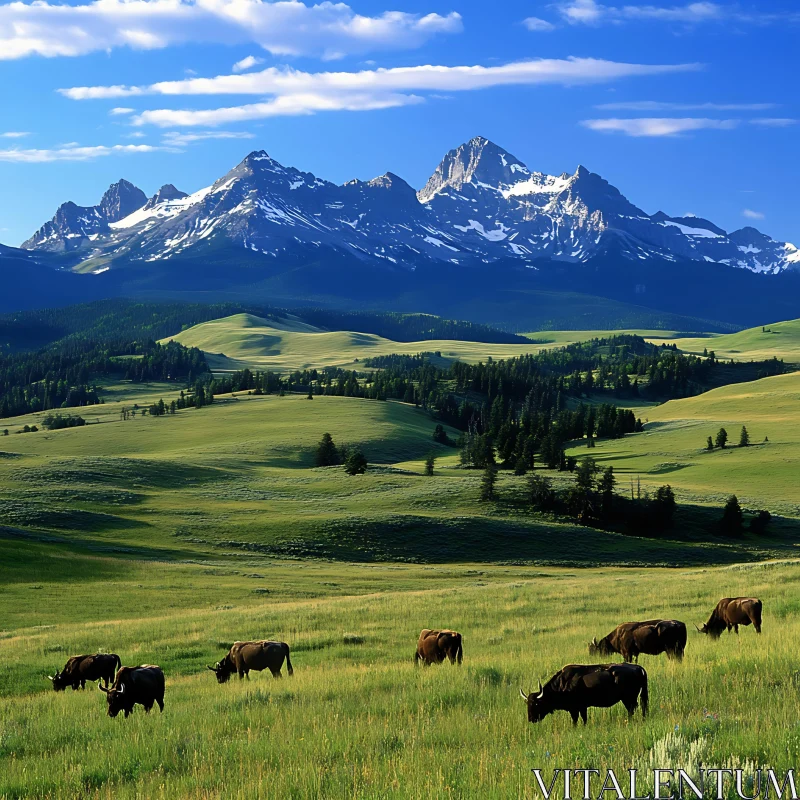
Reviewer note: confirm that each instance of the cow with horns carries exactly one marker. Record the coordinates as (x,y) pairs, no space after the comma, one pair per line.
(578,687)
(80,669)
(244,656)
(731,612)
(143,685)
(652,638)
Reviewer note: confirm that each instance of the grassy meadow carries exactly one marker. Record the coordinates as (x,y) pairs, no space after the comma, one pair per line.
(672,447)
(166,539)
(357,719)
(244,340)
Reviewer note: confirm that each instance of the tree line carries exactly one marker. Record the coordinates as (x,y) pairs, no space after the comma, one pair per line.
(66,375)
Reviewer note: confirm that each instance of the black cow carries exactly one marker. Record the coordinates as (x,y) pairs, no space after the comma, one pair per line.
(731,612)
(244,656)
(143,685)
(652,638)
(80,669)
(577,687)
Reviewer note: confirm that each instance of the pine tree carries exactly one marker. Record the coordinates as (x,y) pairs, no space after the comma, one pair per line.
(744,438)
(722,438)
(731,522)
(606,488)
(326,455)
(355,463)
(540,493)
(429,463)
(488,483)
(709,443)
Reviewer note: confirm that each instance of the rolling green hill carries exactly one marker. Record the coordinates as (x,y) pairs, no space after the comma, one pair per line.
(779,340)
(244,340)
(671,450)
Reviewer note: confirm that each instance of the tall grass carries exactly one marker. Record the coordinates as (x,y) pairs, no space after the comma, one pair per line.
(358,720)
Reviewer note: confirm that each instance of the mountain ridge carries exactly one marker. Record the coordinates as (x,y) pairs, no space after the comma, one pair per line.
(480,205)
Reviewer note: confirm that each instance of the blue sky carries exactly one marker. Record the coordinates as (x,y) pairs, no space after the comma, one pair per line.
(686,108)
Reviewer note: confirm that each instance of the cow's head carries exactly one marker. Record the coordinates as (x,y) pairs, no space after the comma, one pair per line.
(714,631)
(601,647)
(116,699)
(538,707)
(59,681)
(222,669)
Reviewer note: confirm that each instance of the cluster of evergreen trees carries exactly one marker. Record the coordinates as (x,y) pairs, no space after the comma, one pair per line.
(328,454)
(65,375)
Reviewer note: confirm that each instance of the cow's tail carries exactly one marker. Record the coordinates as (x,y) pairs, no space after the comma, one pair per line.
(460,651)
(289,668)
(645,697)
(757,618)
(117,662)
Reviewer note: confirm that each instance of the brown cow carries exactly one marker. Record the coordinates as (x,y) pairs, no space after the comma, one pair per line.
(731,612)
(578,687)
(79,669)
(653,637)
(434,647)
(244,656)
(143,685)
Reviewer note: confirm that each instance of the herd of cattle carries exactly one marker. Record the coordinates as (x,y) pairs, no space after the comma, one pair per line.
(574,688)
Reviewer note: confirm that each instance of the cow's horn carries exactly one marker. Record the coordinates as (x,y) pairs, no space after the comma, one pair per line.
(121,689)
(50,677)
(594,640)
(540,687)
(523,695)
(102,688)
(699,629)
(211,668)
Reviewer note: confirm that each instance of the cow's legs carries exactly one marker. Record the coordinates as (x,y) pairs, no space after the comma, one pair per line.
(574,715)
(160,701)
(276,673)
(736,629)
(583,715)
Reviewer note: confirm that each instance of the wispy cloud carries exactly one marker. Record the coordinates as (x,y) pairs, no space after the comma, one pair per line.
(178,139)
(655,105)
(591,12)
(121,112)
(750,214)
(248,62)
(774,122)
(14,134)
(658,126)
(286,28)
(292,92)
(73,153)
(538,25)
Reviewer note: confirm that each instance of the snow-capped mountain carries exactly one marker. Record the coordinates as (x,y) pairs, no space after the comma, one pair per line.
(480,205)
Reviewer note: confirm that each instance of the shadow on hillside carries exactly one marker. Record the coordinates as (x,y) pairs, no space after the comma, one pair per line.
(413,538)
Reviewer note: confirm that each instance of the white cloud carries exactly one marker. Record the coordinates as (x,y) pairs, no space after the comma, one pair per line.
(538,25)
(73,153)
(283,27)
(654,105)
(248,62)
(750,214)
(657,126)
(176,139)
(14,134)
(591,12)
(121,112)
(774,122)
(291,92)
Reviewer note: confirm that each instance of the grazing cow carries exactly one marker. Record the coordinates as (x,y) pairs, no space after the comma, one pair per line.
(577,687)
(244,656)
(731,612)
(652,638)
(434,647)
(80,669)
(143,685)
